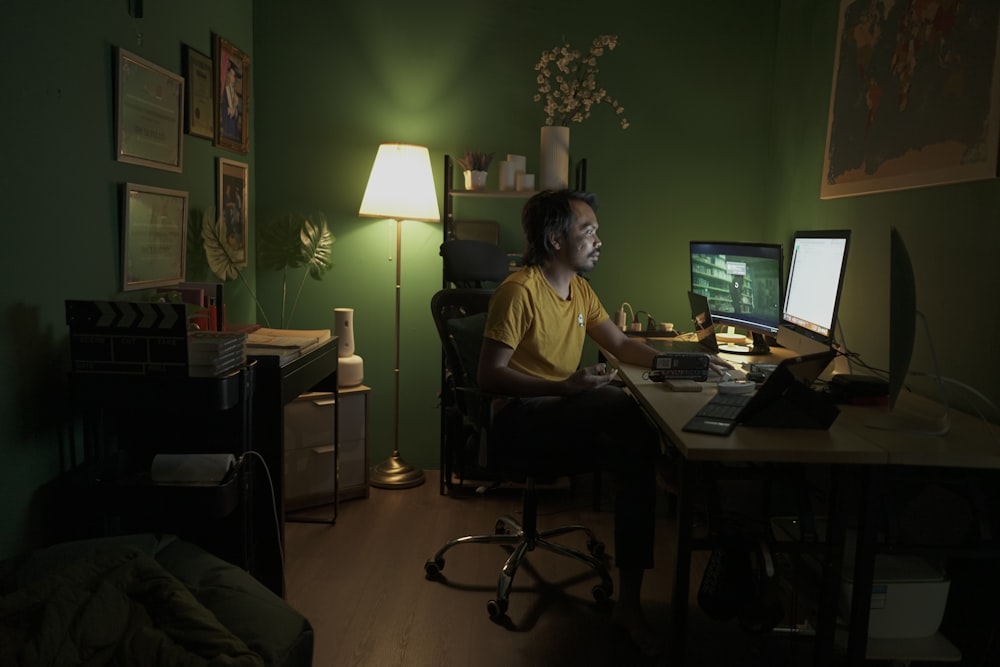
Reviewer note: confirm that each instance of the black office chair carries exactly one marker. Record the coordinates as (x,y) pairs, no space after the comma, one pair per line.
(460,316)
(470,263)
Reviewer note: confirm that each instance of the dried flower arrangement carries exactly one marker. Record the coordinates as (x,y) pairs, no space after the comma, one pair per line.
(574,92)
(475,161)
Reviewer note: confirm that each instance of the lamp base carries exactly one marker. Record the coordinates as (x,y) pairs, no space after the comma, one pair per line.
(395,473)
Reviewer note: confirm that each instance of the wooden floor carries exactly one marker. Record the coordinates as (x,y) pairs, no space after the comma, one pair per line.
(361,583)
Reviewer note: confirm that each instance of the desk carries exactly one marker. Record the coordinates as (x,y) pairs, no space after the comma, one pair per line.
(277,385)
(838,445)
(849,446)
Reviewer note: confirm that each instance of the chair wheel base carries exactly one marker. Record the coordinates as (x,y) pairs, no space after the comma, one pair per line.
(497,609)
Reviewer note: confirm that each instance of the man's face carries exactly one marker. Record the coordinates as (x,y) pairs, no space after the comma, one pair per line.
(581,248)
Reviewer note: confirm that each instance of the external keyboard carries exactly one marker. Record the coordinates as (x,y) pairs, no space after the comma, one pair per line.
(724,406)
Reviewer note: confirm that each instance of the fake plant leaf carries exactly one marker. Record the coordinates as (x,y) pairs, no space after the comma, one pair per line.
(279,246)
(317,243)
(220,261)
(197,263)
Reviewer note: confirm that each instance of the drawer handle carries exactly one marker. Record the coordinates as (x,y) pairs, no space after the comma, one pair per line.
(324,401)
(323,450)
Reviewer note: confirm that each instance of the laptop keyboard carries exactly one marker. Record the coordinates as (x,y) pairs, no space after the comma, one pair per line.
(724,406)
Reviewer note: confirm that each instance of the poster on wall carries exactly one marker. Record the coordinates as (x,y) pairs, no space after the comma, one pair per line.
(915,98)
(232,201)
(232,95)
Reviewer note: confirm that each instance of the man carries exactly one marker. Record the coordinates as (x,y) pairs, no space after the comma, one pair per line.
(534,337)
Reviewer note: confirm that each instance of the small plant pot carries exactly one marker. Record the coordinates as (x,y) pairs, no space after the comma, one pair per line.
(475,180)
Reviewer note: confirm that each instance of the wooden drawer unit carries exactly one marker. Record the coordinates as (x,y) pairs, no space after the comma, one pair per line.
(309,469)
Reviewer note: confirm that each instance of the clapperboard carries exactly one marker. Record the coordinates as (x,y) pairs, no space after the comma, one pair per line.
(128,337)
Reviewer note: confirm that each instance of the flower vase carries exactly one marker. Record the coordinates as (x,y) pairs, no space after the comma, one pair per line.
(554,157)
(475,179)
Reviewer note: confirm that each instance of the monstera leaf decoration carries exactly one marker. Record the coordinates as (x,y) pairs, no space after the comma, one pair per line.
(293,241)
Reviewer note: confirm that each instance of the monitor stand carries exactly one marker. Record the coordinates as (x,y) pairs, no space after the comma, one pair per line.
(759,346)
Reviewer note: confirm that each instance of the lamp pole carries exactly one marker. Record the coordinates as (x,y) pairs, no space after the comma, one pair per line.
(395,472)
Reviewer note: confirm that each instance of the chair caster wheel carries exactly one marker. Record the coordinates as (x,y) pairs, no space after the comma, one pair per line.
(595,548)
(497,609)
(500,528)
(433,567)
(602,593)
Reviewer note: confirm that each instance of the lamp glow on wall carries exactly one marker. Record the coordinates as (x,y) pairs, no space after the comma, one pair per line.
(401,187)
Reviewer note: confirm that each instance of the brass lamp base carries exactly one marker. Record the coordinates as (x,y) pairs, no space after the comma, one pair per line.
(395,473)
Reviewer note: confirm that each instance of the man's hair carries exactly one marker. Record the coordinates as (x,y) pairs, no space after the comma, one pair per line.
(549,213)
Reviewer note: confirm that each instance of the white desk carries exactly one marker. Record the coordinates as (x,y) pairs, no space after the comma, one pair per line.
(850,447)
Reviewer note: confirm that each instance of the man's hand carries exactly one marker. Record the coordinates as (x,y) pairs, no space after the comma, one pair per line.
(590,377)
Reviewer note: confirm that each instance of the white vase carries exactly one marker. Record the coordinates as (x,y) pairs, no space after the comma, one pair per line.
(553,171)
(475,179)
(344,330)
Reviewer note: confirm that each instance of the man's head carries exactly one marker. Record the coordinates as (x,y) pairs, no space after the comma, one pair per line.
(561,223)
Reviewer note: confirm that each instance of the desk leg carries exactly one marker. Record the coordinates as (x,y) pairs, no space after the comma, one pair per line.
(864,569)
(833,558)
(682,573)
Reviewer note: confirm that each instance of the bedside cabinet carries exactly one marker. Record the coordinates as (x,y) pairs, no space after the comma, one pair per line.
(309,468)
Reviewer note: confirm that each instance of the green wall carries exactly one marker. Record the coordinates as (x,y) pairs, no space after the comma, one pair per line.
(341,78)
(60,234)
(728,106)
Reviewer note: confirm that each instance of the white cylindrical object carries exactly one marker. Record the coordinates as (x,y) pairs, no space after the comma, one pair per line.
(350,371)
(525,182)
(520,163)
(344,330)
(554,158)
(507,174)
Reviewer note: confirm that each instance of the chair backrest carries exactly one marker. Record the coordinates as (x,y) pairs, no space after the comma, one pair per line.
(474,264)
(460,317)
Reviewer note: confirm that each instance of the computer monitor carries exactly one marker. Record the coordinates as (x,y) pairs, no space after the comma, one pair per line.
(742,282)
(812,292)
(903,315)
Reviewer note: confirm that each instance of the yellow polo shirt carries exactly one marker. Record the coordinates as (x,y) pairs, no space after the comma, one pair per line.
(545,331)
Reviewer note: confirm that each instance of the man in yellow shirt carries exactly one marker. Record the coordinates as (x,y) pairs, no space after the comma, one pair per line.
(534,337)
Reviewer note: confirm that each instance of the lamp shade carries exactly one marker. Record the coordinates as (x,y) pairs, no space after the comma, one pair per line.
(401,185)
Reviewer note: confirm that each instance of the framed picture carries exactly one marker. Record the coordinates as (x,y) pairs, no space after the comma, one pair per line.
(233,207)
(199,119)
(232,94)
(915,99)
(154,236)
(149,109)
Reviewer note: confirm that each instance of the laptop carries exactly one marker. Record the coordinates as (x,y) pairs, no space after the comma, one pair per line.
(704,329)
(784,400)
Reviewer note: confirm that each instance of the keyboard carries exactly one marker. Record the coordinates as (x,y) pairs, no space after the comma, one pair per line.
(724,406)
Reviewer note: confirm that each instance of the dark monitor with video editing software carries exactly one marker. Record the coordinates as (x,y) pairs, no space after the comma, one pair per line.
(742,282)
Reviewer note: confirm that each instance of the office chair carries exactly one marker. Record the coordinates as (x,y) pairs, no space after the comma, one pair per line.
(460,316)
(469,263)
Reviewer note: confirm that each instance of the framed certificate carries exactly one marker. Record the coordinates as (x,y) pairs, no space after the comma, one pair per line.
(154,236)
(198,119)
(148,112)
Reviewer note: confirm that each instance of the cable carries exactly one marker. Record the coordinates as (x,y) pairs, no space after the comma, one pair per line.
(274,508)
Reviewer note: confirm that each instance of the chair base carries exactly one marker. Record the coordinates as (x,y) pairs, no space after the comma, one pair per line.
(509,531)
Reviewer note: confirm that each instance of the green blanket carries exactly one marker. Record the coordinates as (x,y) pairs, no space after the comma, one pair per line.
(115,607)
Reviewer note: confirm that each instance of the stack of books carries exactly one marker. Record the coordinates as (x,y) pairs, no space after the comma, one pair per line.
(214,353)
(285,344)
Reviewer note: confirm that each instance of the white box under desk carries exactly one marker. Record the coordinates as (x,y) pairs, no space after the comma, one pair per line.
(309,470)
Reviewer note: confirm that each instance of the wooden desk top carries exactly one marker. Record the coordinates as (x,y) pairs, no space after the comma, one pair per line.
(672,409)
(971,442)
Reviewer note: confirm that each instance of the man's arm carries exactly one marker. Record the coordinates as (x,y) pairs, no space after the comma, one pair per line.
(629,350)
(497,377)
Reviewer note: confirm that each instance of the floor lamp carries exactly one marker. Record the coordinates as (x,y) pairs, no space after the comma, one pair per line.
(401,187)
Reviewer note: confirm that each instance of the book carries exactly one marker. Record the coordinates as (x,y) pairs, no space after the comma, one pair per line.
(297,339)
